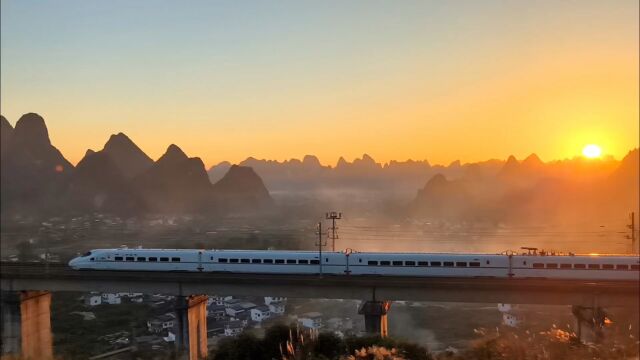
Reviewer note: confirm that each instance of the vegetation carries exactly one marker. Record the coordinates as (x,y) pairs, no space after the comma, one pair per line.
(290,343)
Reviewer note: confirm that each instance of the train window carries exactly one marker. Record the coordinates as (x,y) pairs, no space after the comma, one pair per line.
(359,260)
(129,258)
(579,266)
(279,261)
(552,266)
(315,262)
(607,266)
(164,259)
(423,263)
(538,265)
(175,259)
(461,264)
(303,261)
(222,260)
(622,267)
(565,266)
(291,261)
(154,258)
(118,258)
(410,263)
(141,259)
(488,262)
(385,263)
(635,267)
(235,261)
(326,259)
(594,266)
(372,262)
(474,264)
(397,263)
(268,261)
(448,263)
(436,263)
(245,261)
(256,261)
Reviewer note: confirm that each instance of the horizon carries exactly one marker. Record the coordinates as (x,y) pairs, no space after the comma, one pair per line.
(602,157)
(418,80)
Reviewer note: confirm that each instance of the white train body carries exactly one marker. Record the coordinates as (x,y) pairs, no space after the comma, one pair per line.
(588,267)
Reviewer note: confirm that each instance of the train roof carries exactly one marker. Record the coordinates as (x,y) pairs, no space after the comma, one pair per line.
(374,253)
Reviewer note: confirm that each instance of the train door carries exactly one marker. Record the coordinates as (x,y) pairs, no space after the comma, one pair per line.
(200,267)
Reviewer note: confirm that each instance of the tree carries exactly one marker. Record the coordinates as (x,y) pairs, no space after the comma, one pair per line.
(329,345)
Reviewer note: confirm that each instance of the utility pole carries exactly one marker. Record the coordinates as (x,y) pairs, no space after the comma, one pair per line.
(632,227)
(320,244)
(333,216)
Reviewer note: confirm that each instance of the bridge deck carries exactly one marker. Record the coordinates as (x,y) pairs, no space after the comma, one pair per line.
(59,277)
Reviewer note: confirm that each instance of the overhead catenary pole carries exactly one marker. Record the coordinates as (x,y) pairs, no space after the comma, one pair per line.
(632,228)
(333,216)
(320,244)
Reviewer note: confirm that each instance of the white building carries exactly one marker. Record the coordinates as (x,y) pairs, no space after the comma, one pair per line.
(112,299)
(274,299)
(234,328)
(217,300)
(260,313)
(160,323)
(236,309)
(312,320)
(93,300)
(510,320)
(277,308)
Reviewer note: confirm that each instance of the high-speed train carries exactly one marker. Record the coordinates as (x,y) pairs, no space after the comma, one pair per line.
(531,265)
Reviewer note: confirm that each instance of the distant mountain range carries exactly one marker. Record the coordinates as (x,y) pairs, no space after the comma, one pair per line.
(122,179)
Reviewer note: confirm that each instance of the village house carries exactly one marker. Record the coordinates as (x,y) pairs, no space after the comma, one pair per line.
(260,313)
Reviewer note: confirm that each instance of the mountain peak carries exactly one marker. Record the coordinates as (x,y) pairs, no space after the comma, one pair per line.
(31,128)
(532,160)
(242,187)
(342,162)
(118,140)
(311,160)
(512,160)
(126,155)
(4,123)
(173,153)
(436,181)
(368,159)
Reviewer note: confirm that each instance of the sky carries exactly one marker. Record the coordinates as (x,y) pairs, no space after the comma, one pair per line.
(224,80)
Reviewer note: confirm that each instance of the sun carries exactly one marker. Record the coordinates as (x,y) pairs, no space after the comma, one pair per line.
(592,151)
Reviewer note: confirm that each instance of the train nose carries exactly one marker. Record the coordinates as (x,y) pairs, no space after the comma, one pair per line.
(74,263)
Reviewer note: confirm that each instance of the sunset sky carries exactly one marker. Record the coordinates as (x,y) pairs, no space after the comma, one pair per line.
(437,80)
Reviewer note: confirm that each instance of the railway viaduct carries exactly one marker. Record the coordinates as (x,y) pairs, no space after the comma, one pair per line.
(36,281)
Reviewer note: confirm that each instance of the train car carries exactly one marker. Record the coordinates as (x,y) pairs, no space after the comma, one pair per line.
(239,261)
(439,265)
(531,265)
(588,267)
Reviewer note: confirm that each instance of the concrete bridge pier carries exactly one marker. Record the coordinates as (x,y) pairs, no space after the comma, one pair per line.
(375,316)
(10,318)
(192,326)
(26,325)
(591,318)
